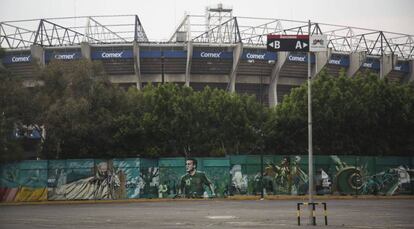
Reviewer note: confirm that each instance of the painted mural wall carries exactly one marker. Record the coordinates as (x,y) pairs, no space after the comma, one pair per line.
(132,178)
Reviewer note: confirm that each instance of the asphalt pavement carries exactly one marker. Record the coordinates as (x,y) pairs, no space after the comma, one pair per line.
(353,213)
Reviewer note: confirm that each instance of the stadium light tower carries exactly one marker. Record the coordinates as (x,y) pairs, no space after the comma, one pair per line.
(215,16)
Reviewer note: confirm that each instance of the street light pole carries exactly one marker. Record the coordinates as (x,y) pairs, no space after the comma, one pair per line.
(310,148)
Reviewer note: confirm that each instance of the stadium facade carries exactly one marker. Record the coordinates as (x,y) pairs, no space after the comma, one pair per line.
(216,50)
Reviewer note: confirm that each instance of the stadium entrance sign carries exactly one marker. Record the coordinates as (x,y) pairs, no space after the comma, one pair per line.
(288,43)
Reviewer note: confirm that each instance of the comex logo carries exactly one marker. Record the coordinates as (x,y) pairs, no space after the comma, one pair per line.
(255,56)
(297,58)
(367,65)
(65,56)
(16,59)
(112,54)
(210,54)
(337,62)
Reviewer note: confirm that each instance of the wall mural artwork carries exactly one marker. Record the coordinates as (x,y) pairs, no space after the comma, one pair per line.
(100,182)
(149,182)
(25,181)
(363,179)
(87,179)
(128,172)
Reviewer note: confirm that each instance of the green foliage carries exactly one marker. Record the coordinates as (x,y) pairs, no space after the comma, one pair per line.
(171,120)
(85,116)
(12,97)
(362,115)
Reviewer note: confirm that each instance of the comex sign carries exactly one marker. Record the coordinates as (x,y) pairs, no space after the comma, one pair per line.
(255,56)
(19,59)
(111,54)
(210,54)
(213,55)
(65,56)
(124,54)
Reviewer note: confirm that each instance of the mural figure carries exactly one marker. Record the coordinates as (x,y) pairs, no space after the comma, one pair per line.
(388,182)
(351,179)
(239,181)
(299,178)
(323,182)
(104,185)
(192,184)
(149,181)
(285,178)
(162,191)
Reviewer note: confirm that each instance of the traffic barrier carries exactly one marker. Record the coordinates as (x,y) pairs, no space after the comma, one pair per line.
(325,211)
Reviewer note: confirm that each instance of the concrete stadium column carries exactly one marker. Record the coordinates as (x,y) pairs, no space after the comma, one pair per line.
(274,77)
(188,63)
(321,59)
(355,62)
(86,50)
(411,76)
(38,54)
(237,52)
(137,65)
(387,62)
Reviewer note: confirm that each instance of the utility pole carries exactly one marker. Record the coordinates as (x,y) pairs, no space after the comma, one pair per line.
(310,146)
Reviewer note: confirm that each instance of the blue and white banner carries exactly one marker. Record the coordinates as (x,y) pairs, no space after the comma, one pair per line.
(175,54)
(62,55)
(123,54)
(21,58)
(150,54)
(300,58)
(402,67)
(339,60)
(371,63)
(259,56)
(212,55)
(166,54)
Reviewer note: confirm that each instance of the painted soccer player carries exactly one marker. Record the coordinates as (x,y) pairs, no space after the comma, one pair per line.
(192,184)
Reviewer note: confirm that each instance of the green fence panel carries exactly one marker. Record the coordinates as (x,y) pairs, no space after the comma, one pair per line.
(393,175)
(128,172)
(73,182)
(171,170)
(217,171)
(149,178)
(79,179)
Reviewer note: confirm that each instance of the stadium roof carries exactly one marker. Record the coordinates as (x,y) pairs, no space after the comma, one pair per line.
(112,29)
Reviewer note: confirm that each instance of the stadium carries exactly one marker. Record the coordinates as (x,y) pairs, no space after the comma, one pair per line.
(217,49)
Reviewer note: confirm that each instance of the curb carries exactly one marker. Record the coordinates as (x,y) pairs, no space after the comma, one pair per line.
(230,198)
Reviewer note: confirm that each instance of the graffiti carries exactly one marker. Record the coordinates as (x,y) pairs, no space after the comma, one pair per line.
(193,182)
(105,184)
(144,178)
(128,173)
(356,179)
(286,177)
(389,182)
(149,182)
(239,181)
(323,183)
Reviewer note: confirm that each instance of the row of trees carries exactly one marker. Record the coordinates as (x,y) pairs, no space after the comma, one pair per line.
(85,116)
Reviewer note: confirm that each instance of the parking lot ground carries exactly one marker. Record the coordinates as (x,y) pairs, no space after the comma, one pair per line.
(214,213)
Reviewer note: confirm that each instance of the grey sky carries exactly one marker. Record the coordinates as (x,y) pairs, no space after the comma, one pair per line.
(159,18)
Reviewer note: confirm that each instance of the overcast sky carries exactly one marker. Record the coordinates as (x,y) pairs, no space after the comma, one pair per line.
(159,18)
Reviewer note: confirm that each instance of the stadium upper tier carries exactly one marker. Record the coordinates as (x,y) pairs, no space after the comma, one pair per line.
(211,28)
(217,50)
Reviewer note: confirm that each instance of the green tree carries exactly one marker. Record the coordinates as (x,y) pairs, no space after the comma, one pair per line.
(360,115)
(78,105)
(12,96)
